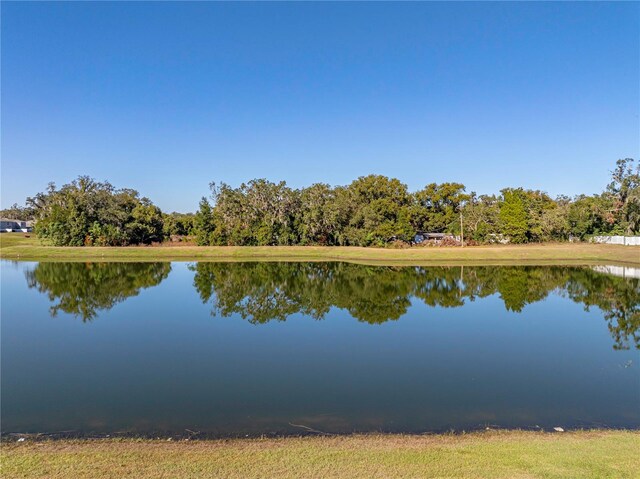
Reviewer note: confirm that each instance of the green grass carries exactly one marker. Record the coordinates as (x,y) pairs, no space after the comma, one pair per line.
(514,454)
(16,246)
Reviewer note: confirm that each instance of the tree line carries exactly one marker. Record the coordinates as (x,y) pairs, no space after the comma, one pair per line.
(372,210)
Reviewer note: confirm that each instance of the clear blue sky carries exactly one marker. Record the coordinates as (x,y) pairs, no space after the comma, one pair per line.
(166,97)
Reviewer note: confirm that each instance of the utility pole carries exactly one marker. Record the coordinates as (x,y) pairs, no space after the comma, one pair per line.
(461,230)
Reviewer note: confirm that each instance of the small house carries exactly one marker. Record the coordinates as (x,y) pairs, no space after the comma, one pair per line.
(16,226)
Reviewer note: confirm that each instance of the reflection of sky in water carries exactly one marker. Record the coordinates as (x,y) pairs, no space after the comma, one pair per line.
(158,360)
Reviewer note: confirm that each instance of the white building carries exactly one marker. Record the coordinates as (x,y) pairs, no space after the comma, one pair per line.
(8,225)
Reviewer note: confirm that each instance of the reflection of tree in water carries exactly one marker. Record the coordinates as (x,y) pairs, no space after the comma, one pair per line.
(618,298)
(83,289)
(260,292)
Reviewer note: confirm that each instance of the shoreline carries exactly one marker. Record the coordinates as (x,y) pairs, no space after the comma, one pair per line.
(16,247)
(495,453)
(303,432)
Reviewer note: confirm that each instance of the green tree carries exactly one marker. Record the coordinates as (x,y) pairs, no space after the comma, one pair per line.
(624,191)
(319,217)
(257,213)
(436,207)
(204,224)
(380,211)
(178,224)
(586,216)
(481,217)
(554,222)
(513,215)
(88,212)
(145,224)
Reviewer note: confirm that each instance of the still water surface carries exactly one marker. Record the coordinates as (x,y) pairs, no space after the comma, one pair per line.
(253,348)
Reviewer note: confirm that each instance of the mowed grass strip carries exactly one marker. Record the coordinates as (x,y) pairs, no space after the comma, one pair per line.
(15,246)
(505,454)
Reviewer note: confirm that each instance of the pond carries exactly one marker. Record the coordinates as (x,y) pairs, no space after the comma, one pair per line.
(256,348)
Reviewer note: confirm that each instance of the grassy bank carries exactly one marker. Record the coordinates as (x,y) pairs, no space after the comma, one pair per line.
(601,454)
(16,246)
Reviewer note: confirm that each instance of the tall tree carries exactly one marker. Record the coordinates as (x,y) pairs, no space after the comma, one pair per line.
(481,217)
(204,225)
(513,215)
(436,207)
(89,212)
(624,191)
(380,211)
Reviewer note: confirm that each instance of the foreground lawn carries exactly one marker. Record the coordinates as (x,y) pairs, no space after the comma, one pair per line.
(16,246)
(516,454)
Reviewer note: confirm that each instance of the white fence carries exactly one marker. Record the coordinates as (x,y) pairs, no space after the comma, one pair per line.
(622,271)
(623,240)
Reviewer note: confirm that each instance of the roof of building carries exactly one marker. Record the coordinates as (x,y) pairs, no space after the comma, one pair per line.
(434,235)
(11,220)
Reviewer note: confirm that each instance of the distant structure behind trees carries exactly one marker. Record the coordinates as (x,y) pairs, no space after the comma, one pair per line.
(371,211)
(9,225)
